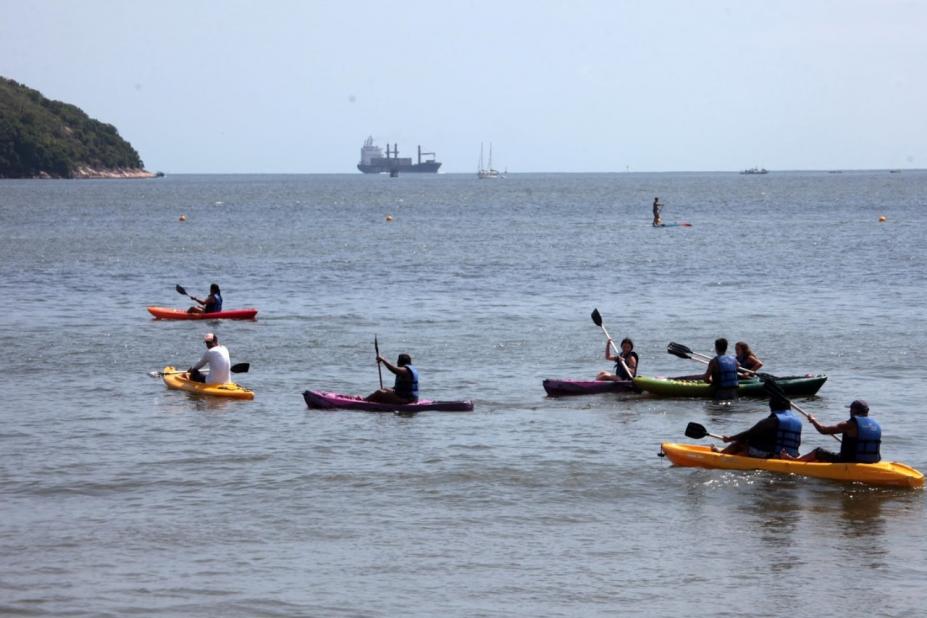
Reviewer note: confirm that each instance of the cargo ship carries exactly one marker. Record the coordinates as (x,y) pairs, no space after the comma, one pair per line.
(373,162)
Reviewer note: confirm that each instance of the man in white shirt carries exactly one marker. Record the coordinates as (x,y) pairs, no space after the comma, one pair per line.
(217,358)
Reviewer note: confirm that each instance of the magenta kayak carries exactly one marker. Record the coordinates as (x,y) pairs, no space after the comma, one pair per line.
(331,401)
(565,388)
(164,313)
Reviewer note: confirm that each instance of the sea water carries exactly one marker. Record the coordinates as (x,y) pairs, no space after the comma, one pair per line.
(120,497)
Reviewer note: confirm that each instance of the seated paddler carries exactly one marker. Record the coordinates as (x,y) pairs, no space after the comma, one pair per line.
(777,435)
(405,387)
(861,438)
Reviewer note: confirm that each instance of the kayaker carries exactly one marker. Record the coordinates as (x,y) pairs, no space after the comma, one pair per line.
(657,209)
(746,358)
(405,388)
(861,438)
(216,358)
(777,435)
(212,304)
(625,361)
(722,372)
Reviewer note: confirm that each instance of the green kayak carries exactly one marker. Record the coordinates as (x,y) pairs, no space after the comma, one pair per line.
(691,386)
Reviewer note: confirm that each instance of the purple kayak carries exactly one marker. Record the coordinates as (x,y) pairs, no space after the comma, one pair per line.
(564,388)
(330,401)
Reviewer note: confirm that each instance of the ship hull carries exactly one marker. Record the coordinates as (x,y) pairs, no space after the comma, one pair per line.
(415,168)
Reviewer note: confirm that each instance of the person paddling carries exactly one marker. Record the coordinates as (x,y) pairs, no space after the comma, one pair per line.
(777,435)
(625,362)
(405,388)
(216,358)
(746,358)
(657,209)
(862,438)
(212,304)
(722,372)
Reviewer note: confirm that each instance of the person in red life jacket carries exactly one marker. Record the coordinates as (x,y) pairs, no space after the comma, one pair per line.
(625,361)
(212,303)
(405,388)
(746,358)
(777,435)
(722,372)
(861,438)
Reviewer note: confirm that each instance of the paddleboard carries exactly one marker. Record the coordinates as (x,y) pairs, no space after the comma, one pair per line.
(674,225)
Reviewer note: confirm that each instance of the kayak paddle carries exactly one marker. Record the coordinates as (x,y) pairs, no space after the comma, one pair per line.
(237,368)
(376,347)
(677,349)
(597,319)
(697,432)
(775,391)
(180,290)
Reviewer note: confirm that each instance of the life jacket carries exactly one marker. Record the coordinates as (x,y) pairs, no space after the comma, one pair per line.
(788,435)
(864,448)
(619,368)
(727,371)
(215,306)
(406,385)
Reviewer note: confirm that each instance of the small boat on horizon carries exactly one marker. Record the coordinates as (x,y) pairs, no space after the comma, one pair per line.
(756,170)
(488,172)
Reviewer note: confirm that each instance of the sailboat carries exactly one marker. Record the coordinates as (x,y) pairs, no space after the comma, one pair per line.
(487,172)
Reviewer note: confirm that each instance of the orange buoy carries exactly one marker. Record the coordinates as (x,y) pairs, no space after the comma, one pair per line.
(882,219)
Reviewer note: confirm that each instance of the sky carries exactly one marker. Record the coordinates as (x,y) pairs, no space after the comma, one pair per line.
(202,86)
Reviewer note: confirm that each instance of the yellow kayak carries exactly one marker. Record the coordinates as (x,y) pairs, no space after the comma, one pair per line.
(177,380)
(883,473)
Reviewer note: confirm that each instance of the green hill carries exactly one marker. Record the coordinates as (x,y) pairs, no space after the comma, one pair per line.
(44,138)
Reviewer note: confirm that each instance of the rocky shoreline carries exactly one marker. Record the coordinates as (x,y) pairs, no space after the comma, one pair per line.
(91,173)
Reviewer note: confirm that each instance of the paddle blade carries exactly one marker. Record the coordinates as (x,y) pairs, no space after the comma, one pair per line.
(773,389)
(180,290)
(673,348)
(240,368)
(696,431)
(597,317)
(376,345)
(679,347)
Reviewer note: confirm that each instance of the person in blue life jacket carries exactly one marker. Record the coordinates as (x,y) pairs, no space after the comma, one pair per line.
(722,372)
(212,303)
(861,438)
(777,435)
(625,361)
(405,388)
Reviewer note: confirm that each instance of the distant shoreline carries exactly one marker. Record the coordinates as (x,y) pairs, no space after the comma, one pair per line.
(89,173)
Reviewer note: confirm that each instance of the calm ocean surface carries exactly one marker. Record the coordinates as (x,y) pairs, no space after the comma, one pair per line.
(120,497)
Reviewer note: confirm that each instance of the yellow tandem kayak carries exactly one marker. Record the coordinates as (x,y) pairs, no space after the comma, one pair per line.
(888,473)
(177,380)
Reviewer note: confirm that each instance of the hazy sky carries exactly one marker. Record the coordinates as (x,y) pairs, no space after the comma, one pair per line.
(208,86)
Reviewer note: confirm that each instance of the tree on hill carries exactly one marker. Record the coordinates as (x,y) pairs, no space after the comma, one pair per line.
(39,136)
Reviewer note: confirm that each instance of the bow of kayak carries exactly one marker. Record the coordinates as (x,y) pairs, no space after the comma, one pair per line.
(885,473)
(566,388)
(165,313)
(179,381)
(324,400)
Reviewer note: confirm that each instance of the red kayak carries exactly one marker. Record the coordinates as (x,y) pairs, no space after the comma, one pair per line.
(330,401)
(564,388)
(163,313)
